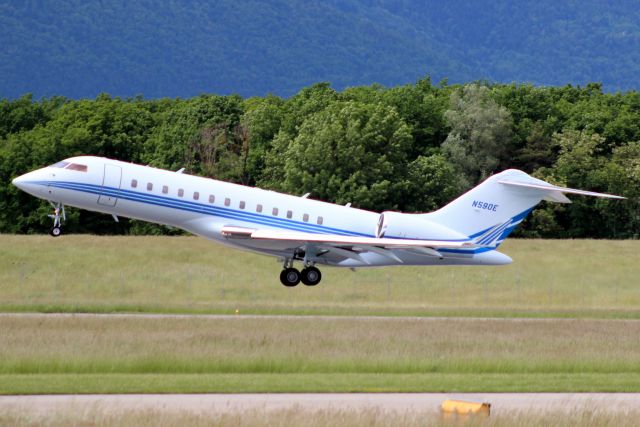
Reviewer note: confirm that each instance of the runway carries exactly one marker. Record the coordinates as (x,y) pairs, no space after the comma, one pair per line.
(501,403)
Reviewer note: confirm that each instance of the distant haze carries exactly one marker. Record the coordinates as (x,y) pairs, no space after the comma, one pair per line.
(164,48)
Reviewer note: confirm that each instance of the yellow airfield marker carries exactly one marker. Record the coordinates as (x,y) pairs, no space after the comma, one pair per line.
(459,407)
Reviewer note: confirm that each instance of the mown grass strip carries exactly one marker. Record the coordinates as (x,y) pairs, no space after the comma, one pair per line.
(241,309)
(568,278)
(283,365)
(319,382)
(301,345)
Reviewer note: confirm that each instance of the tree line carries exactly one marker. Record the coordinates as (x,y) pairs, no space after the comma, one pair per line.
(410,148)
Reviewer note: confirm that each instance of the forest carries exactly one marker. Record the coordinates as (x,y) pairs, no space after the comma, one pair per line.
(410,148)
(79,48)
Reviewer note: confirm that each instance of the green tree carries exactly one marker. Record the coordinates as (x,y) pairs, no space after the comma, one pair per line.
(348,152)
(431,183)
(203,134)
(422,107)
(578,166)
(622,176)
(262,120)
(24,114)
(103,127)
(480,132)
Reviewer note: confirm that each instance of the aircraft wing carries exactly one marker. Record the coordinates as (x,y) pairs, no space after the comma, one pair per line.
(347,246)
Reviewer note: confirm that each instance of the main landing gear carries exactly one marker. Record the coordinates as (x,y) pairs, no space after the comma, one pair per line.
(58,216)
(290,277)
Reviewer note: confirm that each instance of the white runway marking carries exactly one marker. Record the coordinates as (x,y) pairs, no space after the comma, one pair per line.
(40,405)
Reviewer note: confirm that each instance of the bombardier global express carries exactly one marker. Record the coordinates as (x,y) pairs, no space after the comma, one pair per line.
(466,231)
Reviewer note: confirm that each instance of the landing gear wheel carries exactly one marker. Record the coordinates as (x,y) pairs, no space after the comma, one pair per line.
(311,276)
(290,277)
(58,216)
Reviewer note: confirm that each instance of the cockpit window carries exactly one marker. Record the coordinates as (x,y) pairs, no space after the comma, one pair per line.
(60,164)
(77,167)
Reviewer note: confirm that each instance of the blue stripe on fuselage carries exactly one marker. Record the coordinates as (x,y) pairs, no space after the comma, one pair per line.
(237,214)
(201,208)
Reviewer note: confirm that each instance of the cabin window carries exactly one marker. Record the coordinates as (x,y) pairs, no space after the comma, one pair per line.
(165,189)
(320,220)
(227,201)
(196,195)
(242,204)
(212,198)
(258,208)
(149,186)
(60,164)
(274,212)
(77,167)
(289,214)
(180,192)
(305,217)
(134,183)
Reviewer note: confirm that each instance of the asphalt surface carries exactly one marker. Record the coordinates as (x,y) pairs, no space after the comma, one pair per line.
(41,405)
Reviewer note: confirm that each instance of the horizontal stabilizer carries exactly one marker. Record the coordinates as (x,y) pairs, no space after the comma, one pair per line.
(555,193)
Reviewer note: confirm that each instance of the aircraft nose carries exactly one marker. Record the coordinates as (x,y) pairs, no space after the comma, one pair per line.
(20,181)
(29,183)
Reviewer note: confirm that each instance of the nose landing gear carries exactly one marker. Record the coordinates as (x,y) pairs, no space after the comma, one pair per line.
(290,276)
(58,216)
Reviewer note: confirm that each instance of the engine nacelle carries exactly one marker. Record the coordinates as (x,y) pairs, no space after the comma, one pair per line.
(413,226)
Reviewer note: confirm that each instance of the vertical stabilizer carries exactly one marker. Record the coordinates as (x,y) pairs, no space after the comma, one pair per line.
(493,209)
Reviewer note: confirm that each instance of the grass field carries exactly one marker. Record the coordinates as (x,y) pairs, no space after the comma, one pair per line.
(569,278)
(73,416)
(594,285)
(97,354)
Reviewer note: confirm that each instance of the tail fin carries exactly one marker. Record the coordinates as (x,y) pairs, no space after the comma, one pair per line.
(489,212)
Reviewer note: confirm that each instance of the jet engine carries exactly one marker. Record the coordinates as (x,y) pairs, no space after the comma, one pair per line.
(413,226)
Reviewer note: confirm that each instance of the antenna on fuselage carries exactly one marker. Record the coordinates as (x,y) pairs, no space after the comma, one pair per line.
(180,170)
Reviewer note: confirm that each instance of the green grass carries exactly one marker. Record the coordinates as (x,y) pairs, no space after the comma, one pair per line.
(160,355)
(596,281)
(316,382)
(569,278)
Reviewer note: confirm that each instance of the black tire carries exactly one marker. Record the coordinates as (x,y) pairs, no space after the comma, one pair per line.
(290,277)
(55,231)
(311,276)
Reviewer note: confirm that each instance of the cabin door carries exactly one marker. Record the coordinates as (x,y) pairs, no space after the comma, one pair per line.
(110,185)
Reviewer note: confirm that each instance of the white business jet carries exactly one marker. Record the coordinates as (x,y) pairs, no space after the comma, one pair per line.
(467,231)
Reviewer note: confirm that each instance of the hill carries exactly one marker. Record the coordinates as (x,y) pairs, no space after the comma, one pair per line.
(163,48)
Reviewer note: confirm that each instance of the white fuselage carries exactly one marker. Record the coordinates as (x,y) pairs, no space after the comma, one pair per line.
(204,206)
